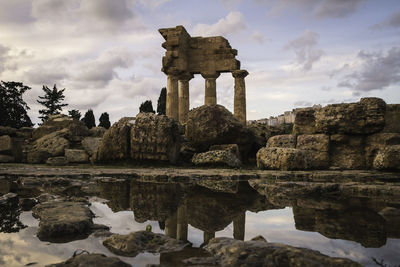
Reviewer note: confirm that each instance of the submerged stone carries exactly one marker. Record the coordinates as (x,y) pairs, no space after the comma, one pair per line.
(91,260)
(142,241)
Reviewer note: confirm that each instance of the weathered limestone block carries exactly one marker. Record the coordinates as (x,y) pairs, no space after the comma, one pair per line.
(76,155)
(155,137)
(51,145)
(284,140)
(392,118)
(216,158)
(376,142)
(233,148)
(115,144)
(91,144)
(5,144)
(213,125)
(347,151)
(304,122)
(262,132)
(235,253)
(57,161)
(24,132)
(277,158)
(42,131)
(317,147)
(388,158)
(364,117)
(6,159)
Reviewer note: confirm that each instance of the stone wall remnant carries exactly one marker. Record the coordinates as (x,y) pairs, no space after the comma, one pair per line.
(208,56)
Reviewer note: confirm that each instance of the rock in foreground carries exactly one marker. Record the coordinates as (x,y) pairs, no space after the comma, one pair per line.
(134,243)
(91,260)
(231,252)
(216,158)
(62,220)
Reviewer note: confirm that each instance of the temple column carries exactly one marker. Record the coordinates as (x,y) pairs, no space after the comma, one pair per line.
(172,106)
(182,225)
(239,109)
(170,226)
(210,88)
(183,93)
(207,236)
(239,226)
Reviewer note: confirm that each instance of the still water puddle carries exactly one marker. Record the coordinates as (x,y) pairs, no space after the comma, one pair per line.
(358,229)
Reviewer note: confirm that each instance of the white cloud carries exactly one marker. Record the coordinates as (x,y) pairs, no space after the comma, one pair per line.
(306,50)
(258,37)
(233,23)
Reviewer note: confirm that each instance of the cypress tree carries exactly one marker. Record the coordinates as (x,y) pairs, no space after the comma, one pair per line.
(88,119)
(162,102)
(105,120)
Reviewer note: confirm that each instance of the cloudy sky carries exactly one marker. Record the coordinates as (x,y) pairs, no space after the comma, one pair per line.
(107,54)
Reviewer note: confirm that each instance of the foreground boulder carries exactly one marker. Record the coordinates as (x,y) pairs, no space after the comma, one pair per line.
(115,144)
(155,137)
(304,122)
(76,156)
(213,125)
(347,151)
(277,158)
(137,242)
(231,252)
(316,147)
(62,220)
(285,140)
(216,158)
(364,117)
(91,260)
(392,118)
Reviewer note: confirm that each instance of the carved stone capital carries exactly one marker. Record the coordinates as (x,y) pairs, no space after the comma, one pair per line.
(239,73)
(210,75)
(185,76)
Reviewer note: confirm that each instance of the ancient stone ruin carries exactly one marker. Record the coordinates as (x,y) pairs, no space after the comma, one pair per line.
(208,56)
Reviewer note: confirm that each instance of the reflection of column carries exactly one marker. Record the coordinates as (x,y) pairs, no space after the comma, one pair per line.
(208,236)
(211,88)
(239,109)
(172,97)
(239,226)
(183,88)
(182,225)
(170,226)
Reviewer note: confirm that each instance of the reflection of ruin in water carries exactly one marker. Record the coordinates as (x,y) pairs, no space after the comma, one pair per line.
(365,221)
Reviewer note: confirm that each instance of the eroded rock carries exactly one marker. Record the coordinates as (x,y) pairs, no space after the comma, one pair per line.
(277,158)
(216,158)
(284,141)
(76,155)
(316,147)
(155,137)
(388,158)
(115,144)
(98,260)
(142,241)
(347,151)
(231,252)
(51,145)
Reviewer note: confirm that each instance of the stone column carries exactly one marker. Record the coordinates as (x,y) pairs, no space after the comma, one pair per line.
(239,109)
(172,106)
(211,88)
(207,236)
(239,226)
(170,226)
(182,231)
(183,88)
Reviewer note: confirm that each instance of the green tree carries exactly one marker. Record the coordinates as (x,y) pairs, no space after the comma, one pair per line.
(105,120)
(75,114)
(13,109)
(146,106)
(162,102)
(88,119)
(52,100)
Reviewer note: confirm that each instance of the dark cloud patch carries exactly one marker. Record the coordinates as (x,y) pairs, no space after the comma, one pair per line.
(115,11)
(306,49)
(377,72)
(393,21)
(47,75)
(320,9)
(16,12)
